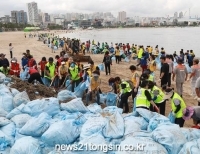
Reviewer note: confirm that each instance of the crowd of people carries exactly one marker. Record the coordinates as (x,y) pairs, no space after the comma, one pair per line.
(145,92)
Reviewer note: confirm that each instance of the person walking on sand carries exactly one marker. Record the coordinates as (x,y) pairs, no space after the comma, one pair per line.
(164,72)
(11,50)
(117,55)
(169,60)
(181,74)
(107,62)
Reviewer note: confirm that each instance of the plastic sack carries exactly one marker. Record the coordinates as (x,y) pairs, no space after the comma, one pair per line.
(68,85)
(9,130)
(3,113)
(146,114)
(75,105)
(6,101)
(21,98)
(189,69)
(26,145)
(112,109)
(65,95)
(92,126)
(48,105)
(4,88)
(20,120)
(24,75)
(113,58)
(127,59)
(192,147)
(4,141)
(133,124)
(101,67)
(111,99)
(141,145)
(190,133)
(15,111)
(94,108)
(63,132)
(103,97)
(14,91)
(80,89)
(114,126)
(5,151)
(4,121)
(18,135)
(36,126)
(170,136)
(2,76)
(171,118)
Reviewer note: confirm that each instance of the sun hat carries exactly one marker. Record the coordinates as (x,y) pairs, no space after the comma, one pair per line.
(168,93)
(188,112)
(86,67)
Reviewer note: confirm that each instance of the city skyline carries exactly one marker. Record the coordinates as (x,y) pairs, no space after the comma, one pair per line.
(132,7)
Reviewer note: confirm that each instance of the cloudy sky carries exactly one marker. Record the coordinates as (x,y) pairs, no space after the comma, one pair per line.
(147,8)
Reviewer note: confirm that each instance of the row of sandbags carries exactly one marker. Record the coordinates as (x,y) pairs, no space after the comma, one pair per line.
(37,126)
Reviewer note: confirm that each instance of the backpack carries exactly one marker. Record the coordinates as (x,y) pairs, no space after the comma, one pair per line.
(130,83)
(107,61)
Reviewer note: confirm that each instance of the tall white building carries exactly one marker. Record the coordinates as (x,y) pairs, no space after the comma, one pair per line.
(32,13)
(181,15)
(176,15)
(122,16)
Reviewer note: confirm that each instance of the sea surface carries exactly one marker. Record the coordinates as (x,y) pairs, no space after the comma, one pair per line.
(172,39)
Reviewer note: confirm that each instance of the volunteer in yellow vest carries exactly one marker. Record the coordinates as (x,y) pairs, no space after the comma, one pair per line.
(135,79)
(93,67)
(178,105)
(124,92)
(74,75)
(62,72)
(140,52)
(152,65)
(49,72)
(157,96)
(150,75)
(144,99)
(4,69)
(94,87)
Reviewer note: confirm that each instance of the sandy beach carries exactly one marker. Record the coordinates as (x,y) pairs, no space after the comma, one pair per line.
(39,50)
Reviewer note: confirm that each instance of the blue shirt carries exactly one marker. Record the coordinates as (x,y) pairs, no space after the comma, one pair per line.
(24,61)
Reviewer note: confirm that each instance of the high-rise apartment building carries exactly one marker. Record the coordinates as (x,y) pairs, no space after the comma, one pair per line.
(32,13)
(122,16)
(19,17)
(176,15)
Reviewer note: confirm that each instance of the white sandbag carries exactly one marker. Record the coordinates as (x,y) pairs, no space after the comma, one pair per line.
(3,113)
(103,98)
(21,98)
(48,105)
(192,147)
(112,109)
(9,130)
(65,95)
(26,145)
(6,101)
(158,120)
(92,126)
(134,124)
(18,135)
(146,114)
(20,120)
(15,111)
(140,145)
(80,89)
(14,91)
(4,141)
(5,151)
(4,88)
(36,126)
(170,136)
(2,76)
(191,133)
(101,67)
(114,127)
(4,121)
(75,105)
(94,108)
(111,99)
(63,132)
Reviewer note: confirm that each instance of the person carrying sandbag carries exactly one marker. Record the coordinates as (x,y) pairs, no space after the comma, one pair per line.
(94,87)
(178,105)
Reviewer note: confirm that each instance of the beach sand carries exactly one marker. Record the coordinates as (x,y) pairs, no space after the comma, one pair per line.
(38,50)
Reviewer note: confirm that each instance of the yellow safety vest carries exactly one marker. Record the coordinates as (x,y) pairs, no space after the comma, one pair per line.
(141,100)
(152,67)
(5,72)
(51,70)
(151,78)
(140,53)
(74,73)
(160,95)
(126,89)
(179,114)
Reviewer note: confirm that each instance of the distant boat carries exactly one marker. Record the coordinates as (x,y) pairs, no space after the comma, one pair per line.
(90,28)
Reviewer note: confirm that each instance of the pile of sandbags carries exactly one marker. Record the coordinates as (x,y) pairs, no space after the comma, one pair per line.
(40,126)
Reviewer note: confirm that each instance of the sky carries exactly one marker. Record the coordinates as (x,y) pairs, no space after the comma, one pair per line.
(142,8)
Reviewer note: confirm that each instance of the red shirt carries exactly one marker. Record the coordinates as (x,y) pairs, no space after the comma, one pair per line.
(42,65)
(124,47)
(15,70)
(32,71)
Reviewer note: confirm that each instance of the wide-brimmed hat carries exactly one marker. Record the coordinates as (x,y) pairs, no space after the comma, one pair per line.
(168,93)
(86,67)
(188,112)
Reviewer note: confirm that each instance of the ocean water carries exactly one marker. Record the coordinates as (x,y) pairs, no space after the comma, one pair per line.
(172,39)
